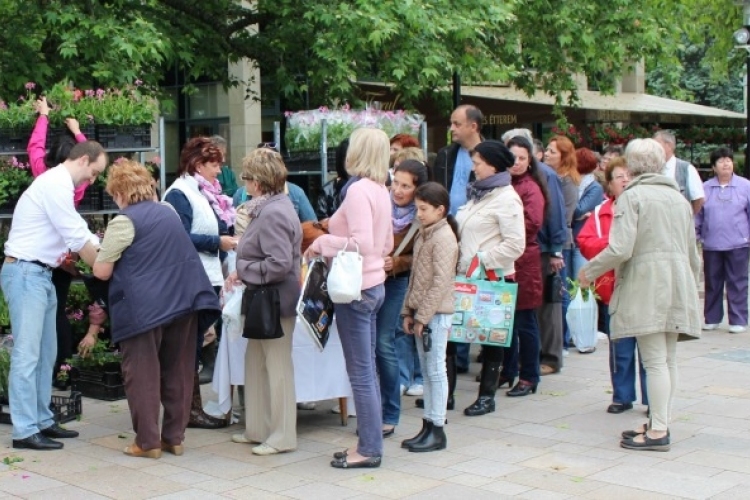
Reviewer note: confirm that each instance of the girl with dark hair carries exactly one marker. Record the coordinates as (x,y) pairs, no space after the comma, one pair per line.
(408,176)
(41,161)
(531,187)
(428,308)
(330,197)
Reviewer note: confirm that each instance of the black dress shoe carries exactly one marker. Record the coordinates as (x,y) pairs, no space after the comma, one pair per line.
(389,432)
(57,432)
(37,442)
(522,388)
(619,407)
(367,463)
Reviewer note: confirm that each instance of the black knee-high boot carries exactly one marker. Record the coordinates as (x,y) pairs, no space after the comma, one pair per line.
(485,403)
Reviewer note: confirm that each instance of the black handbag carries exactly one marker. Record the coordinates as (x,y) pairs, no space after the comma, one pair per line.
(262,308)
(554,288)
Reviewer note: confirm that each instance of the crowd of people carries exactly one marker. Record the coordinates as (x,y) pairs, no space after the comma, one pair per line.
(627,223)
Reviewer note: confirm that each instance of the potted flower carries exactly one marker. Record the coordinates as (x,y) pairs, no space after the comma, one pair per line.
(15,177)
(96,375)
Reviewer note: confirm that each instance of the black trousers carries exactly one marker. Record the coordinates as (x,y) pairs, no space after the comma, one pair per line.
(61,281)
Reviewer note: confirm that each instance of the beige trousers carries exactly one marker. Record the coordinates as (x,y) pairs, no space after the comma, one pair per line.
(270,402)
(658,352)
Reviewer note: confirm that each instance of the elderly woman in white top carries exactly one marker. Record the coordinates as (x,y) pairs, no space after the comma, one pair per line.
(207,216)
(491,226)
(652,250)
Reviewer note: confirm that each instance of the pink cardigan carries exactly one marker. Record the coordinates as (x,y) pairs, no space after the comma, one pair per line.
(364,219)
(37,151)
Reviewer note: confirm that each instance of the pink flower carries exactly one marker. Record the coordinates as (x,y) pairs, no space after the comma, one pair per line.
(99,93)
(138,82)
(3,105)
(89,93)
(30,85)
(156,160)
(21,98)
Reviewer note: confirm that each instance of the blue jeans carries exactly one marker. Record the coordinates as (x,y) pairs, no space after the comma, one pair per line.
(622,356)
(408,359)
(356,324)
(462,356)
(388,319)
(526,345)
(33,306)
(433,367)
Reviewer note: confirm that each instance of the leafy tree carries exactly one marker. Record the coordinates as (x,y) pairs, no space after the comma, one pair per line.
(323,47)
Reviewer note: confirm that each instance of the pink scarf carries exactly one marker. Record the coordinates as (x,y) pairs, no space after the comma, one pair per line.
(222,204)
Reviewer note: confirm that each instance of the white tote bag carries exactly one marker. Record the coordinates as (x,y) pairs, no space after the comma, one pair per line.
(345,277)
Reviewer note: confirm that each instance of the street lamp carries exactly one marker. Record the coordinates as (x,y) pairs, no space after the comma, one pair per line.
(742,39)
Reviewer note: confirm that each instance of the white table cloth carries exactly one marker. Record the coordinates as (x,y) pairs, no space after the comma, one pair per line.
(317,375)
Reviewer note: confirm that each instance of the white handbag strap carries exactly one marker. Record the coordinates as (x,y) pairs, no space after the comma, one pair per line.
(596,220)
(356,245)
(412,231)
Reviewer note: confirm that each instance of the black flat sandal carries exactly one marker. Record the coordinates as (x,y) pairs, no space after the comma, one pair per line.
(648,444)
(367,463)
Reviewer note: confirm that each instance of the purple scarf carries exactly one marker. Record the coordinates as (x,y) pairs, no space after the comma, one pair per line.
(222,204)
(402,216)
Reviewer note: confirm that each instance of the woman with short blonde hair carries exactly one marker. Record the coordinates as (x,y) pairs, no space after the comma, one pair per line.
(369,154)
(266,167)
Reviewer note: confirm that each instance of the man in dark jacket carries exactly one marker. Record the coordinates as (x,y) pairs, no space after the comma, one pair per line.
(453,169)
(551,238)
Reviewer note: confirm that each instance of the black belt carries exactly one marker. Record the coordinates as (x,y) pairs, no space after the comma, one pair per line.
(39,263)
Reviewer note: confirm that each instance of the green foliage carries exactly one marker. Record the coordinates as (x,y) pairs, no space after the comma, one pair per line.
(317,50)
(586,292)
(101,355)
(4,311)
(15,177)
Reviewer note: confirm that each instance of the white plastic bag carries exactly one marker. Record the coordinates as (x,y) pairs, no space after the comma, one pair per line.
(231,313)
(345,277)
(582,321)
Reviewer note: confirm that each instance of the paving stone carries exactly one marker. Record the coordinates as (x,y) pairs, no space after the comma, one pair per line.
(659,481)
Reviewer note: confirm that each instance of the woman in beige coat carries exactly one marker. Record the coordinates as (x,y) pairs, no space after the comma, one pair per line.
(491,227)
(652,250)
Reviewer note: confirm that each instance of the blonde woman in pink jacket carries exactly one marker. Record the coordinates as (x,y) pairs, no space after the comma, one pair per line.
(363,221)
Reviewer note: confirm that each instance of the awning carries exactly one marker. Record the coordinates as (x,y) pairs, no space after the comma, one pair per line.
(622,107)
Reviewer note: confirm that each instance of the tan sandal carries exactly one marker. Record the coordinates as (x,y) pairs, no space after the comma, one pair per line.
(135,451)
(174,449)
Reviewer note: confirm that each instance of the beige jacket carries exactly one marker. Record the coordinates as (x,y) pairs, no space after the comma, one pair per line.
(433,272)
(494,226)
(653,252)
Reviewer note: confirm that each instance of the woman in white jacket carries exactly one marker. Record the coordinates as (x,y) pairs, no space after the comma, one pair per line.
(491,226)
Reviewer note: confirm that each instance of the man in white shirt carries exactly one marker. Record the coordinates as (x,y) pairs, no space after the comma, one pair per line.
(45,226)
(690,183)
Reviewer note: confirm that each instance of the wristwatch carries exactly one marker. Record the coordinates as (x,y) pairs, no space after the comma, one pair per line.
(557,255)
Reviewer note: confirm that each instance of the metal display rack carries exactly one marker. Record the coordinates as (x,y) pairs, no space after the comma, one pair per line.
(141,158)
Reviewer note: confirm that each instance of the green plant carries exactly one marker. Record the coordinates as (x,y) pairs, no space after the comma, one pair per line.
(586,292)
(19,114)
(5,348)
(15,177)
(4,311)
(99,357)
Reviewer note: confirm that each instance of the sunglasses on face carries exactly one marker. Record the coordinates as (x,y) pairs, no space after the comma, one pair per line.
(268,145)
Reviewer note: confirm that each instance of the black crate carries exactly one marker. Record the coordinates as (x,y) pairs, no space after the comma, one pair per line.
(92,199)
(124,137)
(67,408)
(88,130)
(306,161)
(99,390)
(14,140)
(64,408)
(107,202)
(106,385)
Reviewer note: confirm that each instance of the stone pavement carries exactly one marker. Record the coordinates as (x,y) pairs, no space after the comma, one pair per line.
(559,443)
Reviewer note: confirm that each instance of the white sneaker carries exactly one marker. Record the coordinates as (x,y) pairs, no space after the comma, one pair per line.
(403,389)
(710,326)
(415,390)
(737,328)
(264,449)
(565,353)
(337,410)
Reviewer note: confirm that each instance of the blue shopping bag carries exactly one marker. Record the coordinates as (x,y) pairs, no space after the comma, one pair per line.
(485,307)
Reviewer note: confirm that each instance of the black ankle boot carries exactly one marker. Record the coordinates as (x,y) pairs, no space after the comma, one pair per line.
(426,426)
(485,403)
(433,441)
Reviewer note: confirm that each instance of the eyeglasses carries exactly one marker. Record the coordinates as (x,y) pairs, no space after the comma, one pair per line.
(248,178)
(268,145)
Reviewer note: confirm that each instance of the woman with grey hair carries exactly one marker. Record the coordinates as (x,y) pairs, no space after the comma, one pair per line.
(652,250)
